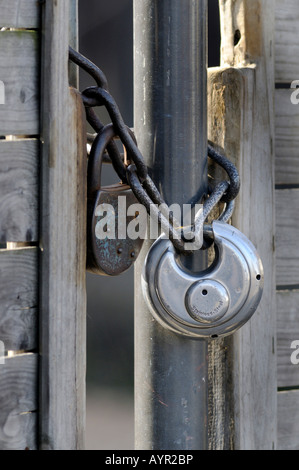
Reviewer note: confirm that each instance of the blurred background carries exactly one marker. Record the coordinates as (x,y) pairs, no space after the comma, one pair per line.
(106,37)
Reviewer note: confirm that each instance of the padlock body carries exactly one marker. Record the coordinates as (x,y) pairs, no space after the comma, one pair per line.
(209,304)
(110,251)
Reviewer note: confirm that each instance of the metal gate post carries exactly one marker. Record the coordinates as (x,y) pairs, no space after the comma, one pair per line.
(171,372)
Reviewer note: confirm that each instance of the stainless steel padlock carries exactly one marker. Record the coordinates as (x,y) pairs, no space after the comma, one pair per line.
(211,304)
(109,253)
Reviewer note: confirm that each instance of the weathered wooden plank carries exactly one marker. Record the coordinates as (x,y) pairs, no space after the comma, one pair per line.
(286,41)
(74,42)
(18,299)
(19,189)
(241,134)
(19,71)
(18,398)
(288,420)
(19,14)
(63,232)
(241,122)
(287,333)
(286,138)
(243,37)
(287,237)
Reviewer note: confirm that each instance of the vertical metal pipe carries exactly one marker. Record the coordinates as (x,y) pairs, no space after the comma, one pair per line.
(171,373)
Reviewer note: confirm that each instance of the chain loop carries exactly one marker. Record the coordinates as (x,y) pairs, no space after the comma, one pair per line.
(136,173)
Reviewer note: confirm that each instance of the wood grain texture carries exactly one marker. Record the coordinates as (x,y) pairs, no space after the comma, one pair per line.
(241,123)
(287,237)
(233,92)
(19,70)
(63,235)
(286,138)
(18,398)
(19,190)
(287,229)
(255,359)
(19,14)
(288,420)
(286,41)
(287,332)
(74,42)
(19,299)
(225,91)
(246,17)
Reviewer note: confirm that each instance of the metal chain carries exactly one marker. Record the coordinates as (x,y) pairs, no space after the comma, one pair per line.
(136,173)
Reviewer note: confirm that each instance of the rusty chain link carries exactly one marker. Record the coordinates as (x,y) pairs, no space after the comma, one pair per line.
(136,174)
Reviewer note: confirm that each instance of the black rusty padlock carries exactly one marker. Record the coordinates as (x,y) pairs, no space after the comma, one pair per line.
(110,251)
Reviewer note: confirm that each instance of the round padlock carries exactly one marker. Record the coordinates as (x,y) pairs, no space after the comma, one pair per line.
(210,304)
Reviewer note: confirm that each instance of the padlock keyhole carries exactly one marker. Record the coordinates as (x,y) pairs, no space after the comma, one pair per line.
(204,292)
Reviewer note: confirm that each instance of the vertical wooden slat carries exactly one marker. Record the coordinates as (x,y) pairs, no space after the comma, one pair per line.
(287,237)
(241,122)
(62,275)
(73,41)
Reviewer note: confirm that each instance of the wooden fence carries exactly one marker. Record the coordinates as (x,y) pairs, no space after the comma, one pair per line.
(42,226)
(287,226)
(241,121)
(42,230)
(253,117)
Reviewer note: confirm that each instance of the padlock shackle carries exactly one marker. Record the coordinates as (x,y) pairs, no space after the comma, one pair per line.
(95,160)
